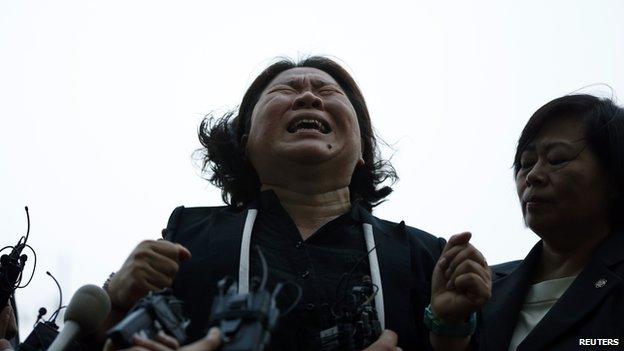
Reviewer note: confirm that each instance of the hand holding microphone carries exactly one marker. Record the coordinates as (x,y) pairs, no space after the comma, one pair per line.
(151,266)
(163,342)
(8,327)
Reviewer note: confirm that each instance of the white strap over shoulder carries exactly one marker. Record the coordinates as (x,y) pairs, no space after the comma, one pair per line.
(243,270)
(243,266)
(375,272)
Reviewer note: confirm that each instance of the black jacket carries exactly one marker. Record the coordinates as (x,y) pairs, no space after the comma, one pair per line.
(213,235)
(592,307)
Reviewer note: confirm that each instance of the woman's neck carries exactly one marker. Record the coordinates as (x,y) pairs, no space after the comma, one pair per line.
(568,256)
(312,211)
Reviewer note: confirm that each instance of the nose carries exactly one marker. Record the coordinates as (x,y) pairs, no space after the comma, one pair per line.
(537,176)
(307,100)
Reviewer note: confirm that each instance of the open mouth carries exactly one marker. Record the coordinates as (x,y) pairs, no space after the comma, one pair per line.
(308,124)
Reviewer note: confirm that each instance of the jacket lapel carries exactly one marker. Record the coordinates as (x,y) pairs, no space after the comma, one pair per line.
(225,242)
(593,285)
(394,265)
(500,314)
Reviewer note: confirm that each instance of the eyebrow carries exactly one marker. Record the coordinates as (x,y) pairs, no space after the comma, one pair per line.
(316,83)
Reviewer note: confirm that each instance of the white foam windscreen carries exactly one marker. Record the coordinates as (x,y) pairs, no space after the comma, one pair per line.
(89,307)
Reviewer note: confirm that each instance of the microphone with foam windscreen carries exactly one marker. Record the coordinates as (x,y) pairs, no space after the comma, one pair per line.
(87,309)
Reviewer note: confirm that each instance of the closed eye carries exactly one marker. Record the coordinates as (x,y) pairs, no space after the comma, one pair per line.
(560,158)
(558,161)
(326,92)
(283,90)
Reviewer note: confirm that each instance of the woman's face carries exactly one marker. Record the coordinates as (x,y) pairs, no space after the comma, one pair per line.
(303,118)
(561,183)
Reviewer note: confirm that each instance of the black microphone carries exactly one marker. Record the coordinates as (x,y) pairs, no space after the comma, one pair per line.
(11,267)
(44,332)
(86,311)
(42,312)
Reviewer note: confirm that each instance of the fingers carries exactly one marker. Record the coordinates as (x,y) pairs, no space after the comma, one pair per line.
(135,290)
(447,257)
(167,340)
(461,281)
(211,342)
(463,253)
(464,259)
(469,266)
(477,290)
(457,239)
(8,326)
(4,320)
(149,344)
(456,244)
(140,344)
(162,342)
(183,253)
(387,342)
(151,266)
(460,239)
(168,249)
(156,277)
(441,272)
(388,337)
(11,330)
(467,271)
(160,263)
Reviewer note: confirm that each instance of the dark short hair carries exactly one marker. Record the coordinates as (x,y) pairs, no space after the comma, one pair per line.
(604,135)
(223,151)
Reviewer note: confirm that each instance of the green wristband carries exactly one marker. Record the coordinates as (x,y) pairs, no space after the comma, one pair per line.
(453,330)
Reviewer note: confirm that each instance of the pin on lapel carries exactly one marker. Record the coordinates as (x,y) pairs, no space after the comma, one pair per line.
(600,283)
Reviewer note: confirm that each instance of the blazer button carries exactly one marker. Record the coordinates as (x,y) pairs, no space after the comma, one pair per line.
(305,274)
(299,244)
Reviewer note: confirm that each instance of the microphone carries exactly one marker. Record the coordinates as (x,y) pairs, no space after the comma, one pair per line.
(12,265)
(87,309)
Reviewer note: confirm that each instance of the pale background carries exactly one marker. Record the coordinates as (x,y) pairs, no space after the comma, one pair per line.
(100,103)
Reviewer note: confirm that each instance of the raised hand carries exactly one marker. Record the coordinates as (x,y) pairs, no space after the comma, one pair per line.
(461,281)
(151,266)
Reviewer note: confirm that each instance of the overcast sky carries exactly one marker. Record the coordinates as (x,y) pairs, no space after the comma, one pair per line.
(100,104)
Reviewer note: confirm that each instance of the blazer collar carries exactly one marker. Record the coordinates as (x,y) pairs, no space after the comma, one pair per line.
(591,286)
(500,314)
(595,282)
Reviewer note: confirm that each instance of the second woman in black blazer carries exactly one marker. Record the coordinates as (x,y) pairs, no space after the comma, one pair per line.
(567,294)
